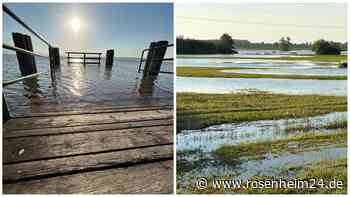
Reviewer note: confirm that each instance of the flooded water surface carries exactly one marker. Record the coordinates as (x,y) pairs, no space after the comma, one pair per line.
(90,83)
(261,66)
(211,138)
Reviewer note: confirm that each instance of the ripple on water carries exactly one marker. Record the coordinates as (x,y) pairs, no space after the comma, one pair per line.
(84,83)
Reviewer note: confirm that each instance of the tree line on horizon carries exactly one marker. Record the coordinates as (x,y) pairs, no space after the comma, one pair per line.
(223,45)
(227,45)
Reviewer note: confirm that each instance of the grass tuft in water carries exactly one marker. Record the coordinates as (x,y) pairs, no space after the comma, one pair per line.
(231,153)
(308,126)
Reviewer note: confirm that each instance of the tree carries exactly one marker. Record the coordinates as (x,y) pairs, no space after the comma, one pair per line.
(323,47)
(226,44)
(285,44)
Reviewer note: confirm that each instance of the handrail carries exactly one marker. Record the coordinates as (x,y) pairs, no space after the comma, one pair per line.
(20,21)
(74,52)
(9,47)
(6,83)
(164,59)
(157,47)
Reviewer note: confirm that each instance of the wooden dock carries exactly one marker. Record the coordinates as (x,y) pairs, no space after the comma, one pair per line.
(107,149)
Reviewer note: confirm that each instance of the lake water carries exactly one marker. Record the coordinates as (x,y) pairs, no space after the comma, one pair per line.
(91,83)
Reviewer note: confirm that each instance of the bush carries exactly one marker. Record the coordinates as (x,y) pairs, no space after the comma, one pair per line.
(323,47)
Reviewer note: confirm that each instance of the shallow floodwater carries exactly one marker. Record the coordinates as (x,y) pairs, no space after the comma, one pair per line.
(261,66)
(278,86)
(89,83)
(271,165)
(293,71)
(211,138)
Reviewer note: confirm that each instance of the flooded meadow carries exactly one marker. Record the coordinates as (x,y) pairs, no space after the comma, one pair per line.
(257,125)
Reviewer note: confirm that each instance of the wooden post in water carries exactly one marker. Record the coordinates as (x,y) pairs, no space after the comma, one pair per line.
(5,111)
(26,62)
(109,57)
(68,58)
(155,58)
(54,55)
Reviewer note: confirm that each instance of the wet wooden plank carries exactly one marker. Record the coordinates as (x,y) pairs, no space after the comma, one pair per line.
(54,167)
(142,179)
(91,111)
(85,128)
(85,119)
(54,105)
(45,147)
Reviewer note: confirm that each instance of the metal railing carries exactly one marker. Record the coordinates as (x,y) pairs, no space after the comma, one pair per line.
(6,113)
(164,59)
(20,21)
(13,48)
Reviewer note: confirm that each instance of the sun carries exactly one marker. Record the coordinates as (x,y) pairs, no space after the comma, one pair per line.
(75,24)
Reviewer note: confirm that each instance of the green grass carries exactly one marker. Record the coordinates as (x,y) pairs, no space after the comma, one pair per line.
(314,58)
(196,111)
(217,72)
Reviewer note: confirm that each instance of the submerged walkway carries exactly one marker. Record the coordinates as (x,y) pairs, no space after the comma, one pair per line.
(97,149)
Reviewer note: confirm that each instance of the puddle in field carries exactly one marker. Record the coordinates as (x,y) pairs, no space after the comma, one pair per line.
(210,138)
(272,165)
(198,147)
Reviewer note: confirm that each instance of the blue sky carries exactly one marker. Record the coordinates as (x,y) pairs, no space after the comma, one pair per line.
(126,27)
(251,21)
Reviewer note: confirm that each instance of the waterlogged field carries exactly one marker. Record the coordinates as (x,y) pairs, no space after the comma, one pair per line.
(277,125)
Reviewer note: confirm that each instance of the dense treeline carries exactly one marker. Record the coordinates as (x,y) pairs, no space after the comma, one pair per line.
(246,44)
(193,46)
(324,47)
(224,45)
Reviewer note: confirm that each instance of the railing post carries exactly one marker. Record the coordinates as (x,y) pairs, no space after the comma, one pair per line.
(155,58)
(109,57)
(5,112)
(26,62)
(54,56)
